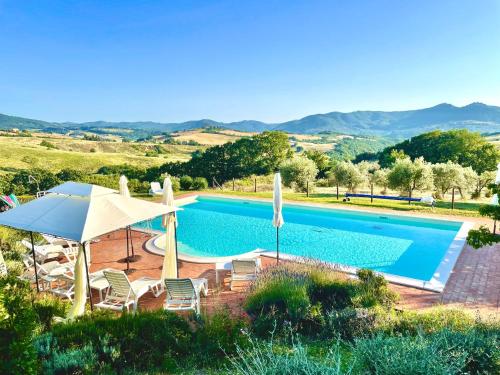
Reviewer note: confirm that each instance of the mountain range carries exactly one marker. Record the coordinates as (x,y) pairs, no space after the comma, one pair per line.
(476,117)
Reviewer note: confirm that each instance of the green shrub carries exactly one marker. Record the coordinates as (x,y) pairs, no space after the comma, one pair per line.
(331,289)
(412,322)
(70,361)
(176,185)
(372,290)
(69,174)
(137,186)
(278,298)
(349,323)
(220,334)
(199,183)
(47,307)
(445,352)
(48,144)
(186,183)
(143,341)
(265,359)
(109,181)
(17,324)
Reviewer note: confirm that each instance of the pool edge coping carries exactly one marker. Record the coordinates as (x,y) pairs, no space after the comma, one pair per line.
(436,284)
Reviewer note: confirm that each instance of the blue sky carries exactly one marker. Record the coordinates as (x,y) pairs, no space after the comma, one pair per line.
(233,60)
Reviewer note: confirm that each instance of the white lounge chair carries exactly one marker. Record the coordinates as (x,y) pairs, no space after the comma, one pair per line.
(155,189)
(64,285)
(59,241)
(244,270)
(184,294)
(47,272)
(71,255)
(122,293)
(44,252)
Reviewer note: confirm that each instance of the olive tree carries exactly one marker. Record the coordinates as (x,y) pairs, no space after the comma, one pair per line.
(368,170)
(380,179)
(481,181)
(345,173)
(407,176)
(447,176)
(297,172)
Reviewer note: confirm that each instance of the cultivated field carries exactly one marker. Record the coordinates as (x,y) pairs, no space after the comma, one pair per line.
(27,152)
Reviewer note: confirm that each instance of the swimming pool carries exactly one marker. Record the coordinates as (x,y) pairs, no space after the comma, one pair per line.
(403,246)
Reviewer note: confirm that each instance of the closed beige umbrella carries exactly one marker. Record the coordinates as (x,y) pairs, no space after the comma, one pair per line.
(277,208)
(169,269)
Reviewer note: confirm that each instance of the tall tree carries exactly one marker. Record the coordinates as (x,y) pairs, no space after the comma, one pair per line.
(299,173)
(345,173)
(466,148)
(321,160)
(447,176)
(408,176)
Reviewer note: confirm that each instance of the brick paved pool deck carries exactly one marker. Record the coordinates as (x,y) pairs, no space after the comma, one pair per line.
(474,283)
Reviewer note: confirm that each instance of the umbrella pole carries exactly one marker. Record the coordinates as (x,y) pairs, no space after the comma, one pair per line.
(277,245)
(176,253)
(88,277)
(34,262)
(128,251)
(131,241)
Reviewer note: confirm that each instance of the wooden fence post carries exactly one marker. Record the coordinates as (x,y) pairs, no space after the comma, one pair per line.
(452,198)
(307,189)
(255,185)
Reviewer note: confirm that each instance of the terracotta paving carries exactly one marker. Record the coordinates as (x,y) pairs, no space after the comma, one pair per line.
(474,283)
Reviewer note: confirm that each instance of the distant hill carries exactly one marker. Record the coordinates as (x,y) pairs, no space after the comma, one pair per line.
(398,124)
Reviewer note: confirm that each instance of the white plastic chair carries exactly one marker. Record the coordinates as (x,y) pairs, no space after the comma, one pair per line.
(184,294)
(122,293)
(244,270)
(155,189)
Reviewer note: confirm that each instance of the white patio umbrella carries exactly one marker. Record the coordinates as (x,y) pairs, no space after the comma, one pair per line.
(123,184)
(169,222)
(277,207)
(80,213)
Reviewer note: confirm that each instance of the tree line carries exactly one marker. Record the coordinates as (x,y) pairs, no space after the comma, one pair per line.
(437,161)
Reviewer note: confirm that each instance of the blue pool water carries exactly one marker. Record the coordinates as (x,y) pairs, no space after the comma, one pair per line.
(410,247)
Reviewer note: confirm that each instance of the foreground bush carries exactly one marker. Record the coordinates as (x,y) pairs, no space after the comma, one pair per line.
(143,341)
(17,324)
(351,323)
(301,295)
(146,341)
(265,359)
(47,307)
(219,335)
(445,352)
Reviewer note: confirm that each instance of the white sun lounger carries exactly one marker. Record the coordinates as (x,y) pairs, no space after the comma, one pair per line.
(64,284)
(122,293)
(44,252)
(155,189)
(59,241)
(184,294)
(47,272)
(244,270)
